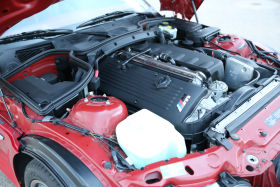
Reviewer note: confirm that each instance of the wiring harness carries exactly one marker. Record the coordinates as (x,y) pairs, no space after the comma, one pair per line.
(120,161)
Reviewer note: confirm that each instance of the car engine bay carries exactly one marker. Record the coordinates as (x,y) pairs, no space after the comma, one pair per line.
(161,76)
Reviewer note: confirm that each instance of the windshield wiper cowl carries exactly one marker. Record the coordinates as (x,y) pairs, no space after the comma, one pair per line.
(105,17)
(38,34)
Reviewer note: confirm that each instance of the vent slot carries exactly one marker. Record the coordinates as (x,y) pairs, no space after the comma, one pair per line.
(25,54)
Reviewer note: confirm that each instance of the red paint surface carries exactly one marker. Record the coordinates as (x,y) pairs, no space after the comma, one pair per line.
(9,146)
(238,44)
(13,11)
(268,178)
(93,153)
(103,118)
(183,7)
(99,117)
(43,66)
(206,166)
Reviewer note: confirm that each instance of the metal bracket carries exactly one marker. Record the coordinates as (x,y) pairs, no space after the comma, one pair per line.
(218,138)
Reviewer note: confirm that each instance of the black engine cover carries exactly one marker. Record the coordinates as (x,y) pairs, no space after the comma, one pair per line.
(194,60)
(141,86)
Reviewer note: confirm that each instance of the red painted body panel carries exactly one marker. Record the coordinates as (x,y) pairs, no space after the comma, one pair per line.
(238,44)
(9,146)
(43,66)
(91,152)
(268,178)
(183,7)
(102,118)
(13,11)
(206,166)
(99,117)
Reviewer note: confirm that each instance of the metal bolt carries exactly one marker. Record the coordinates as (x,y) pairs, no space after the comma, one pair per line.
(252,159)
(263,133)
(107,165)
(86,99)
(235,137)
(1,137)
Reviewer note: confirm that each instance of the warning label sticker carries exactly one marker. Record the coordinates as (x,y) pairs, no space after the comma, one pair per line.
(273,118)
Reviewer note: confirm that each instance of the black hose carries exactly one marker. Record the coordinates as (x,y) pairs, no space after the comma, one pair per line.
(261,54)
(134,56)
(219,54)
(130,167)
(224,48)
(161,37)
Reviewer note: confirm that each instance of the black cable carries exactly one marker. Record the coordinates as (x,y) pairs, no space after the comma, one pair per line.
(118,164)
(98,56)
(13,123)
(85,132)
(54,120)
(22,108)
(112,147)
(261,54)
(219,54)
(26,115)
(65,124)
(64,115)
(267,52)
(224,48)
(134,56)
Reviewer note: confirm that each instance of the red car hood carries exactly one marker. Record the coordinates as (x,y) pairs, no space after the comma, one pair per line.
(184,7)
(13,11)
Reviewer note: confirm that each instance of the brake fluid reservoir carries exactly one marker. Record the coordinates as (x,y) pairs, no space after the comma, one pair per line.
(147,138)
(165,27)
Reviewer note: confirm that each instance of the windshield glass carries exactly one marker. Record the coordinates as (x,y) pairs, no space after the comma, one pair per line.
(70,13)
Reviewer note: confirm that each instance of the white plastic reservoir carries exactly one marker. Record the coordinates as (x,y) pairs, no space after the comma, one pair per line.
(147,138)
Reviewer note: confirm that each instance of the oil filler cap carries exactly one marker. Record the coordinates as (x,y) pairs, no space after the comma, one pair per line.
(163,82)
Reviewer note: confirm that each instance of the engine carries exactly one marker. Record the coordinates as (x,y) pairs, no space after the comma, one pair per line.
(170,92)
(169,81)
